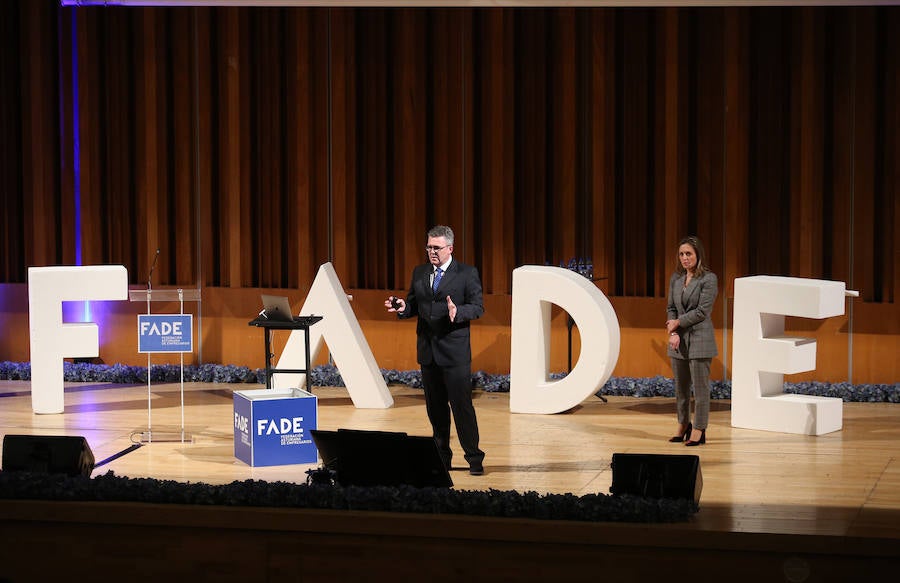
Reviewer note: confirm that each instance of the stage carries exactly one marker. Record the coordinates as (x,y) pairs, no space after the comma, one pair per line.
(809,495)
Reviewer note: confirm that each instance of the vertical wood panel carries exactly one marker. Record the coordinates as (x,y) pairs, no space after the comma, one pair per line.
(493,120)
(301,143)
(807,117)
(603,145)
(247,203)
(671,188)
(147,185)
(116,114)
(841,119)
(770,139)
(343,142)
(635,158)
(12,222)
(180,148)
(531,195)
(90,142)
(443,163)
(376,239)
(461,63)
(46,230)
(320,198)
(69,42)
(709,118)
(735,249)
(411,96)
(160,139)
(447,170)
(264,138)
(864,157)
(562,100)
(891,238)
(208,250)
(229,147)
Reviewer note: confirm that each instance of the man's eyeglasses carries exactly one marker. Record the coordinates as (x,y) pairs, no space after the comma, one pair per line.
(434,248)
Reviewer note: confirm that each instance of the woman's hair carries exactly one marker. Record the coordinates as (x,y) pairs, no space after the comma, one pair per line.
(694,242)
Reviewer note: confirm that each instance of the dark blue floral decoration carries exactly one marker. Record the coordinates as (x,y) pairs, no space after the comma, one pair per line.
(329,376)
(319,493)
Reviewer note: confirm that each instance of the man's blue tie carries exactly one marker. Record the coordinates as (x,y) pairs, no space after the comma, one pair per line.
(437,279)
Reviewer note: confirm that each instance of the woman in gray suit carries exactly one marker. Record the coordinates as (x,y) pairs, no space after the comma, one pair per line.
(692,342)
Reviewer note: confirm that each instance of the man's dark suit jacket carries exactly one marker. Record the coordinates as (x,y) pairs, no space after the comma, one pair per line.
(440,341)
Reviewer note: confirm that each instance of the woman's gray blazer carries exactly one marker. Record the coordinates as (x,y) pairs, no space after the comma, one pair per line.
(693,309)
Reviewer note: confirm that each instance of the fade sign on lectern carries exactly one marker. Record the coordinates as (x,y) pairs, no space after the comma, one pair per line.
(165,333)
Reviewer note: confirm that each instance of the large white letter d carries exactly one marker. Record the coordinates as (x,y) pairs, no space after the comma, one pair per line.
(535,288)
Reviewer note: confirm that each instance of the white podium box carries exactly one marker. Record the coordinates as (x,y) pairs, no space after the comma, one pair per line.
(272,427)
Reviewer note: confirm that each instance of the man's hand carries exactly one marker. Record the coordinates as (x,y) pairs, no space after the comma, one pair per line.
(395,304)
(451,307)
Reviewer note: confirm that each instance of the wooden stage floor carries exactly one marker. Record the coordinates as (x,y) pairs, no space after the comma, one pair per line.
(842,484)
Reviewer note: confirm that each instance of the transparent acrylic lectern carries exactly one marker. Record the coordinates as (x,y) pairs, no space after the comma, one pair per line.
(163,295)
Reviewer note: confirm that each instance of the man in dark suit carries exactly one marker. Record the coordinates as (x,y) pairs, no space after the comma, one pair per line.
(445,295)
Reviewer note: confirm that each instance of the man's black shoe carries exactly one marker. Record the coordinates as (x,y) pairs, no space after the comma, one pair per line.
(476,470)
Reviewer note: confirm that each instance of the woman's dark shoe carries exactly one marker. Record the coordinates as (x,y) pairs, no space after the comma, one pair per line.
(682,437)
(701,441)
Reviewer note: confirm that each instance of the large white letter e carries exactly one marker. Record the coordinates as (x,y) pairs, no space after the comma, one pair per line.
(763,354)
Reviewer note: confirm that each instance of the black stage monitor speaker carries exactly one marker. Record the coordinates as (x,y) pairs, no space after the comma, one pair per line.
(657,476)
(47,454)
(381,458)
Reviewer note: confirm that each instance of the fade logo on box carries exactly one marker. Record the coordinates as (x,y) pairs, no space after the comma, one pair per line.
(242,424)
(290,429)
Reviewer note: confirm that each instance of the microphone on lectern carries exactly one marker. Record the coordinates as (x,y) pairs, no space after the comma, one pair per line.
(152,267)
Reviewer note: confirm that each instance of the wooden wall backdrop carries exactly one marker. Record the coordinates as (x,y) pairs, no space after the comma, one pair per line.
(252,145)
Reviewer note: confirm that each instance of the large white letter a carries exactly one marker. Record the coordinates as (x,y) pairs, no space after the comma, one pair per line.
(345,338)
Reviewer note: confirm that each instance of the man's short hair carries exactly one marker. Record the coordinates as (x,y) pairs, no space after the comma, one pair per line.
(441,231)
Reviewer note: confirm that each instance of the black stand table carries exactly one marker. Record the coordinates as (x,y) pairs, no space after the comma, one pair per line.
(299,323)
